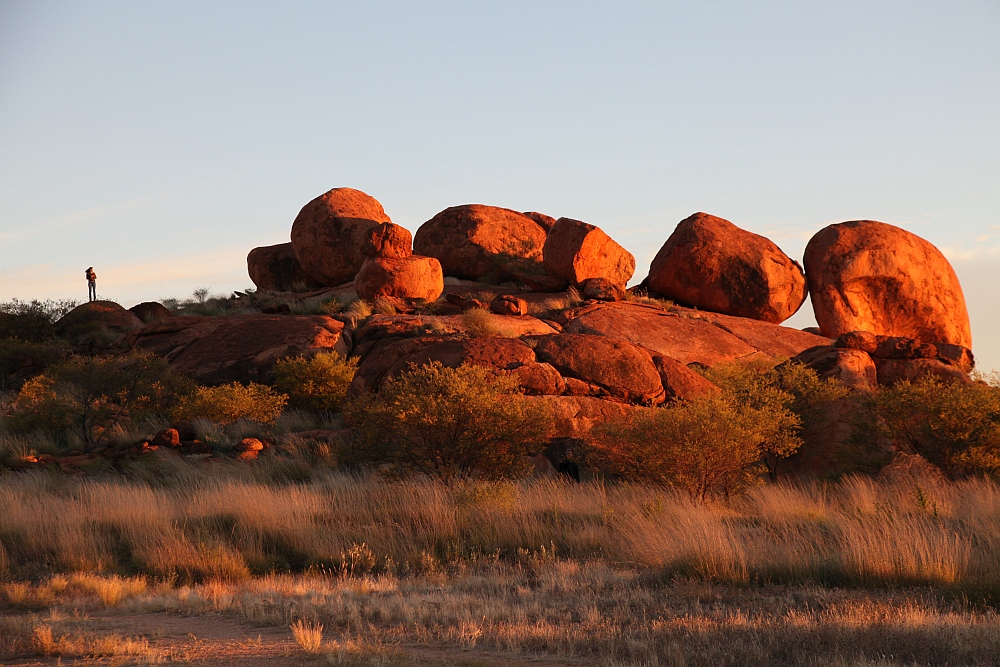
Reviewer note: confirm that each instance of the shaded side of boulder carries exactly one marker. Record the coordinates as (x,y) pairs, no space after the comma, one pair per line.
(274,268)
(97,325)
(411,277)
(330,232)
(544,221)
(712,264)
(870,276)
(475,242)
(148,311)
(893,371)
(853,367)
(624,370)
(576,251)
(539,379)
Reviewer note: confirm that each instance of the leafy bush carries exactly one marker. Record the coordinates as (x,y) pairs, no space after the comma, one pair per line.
(316,383)
(451,421)
(708,446)
(954,425)
(48,309)
(230,402)
(93,396)
(23,359)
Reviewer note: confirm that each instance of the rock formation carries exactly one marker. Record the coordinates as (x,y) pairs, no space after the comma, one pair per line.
(712,264)
(329,234)
(474,241)
(870,276)
(576,251)
(274,268)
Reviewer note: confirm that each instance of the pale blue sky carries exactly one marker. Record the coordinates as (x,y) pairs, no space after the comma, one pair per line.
(160,141)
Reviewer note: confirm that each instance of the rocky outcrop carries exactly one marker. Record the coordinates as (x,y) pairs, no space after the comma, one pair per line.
(680,382)
(274,268)
(147,311)
(508,304)
(544,221)
(712,264)
(388,240)
(869,276)
(576,416)
(625,371)
(474,241)
(413,277)
(690,336)
(894,371)
(853,367)
(601,289)
(330,232)
(243,348)
(576,251)
(96,326)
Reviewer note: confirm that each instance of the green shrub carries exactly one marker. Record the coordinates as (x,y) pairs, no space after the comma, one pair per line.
(708,446)
(954,425)
(451,421)
(316,383)
(21,360)
(93,396)
(230,402)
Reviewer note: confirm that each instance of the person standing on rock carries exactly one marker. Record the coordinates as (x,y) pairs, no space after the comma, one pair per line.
(91,284)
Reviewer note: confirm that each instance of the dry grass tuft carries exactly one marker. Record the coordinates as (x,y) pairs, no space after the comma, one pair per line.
(309,636)
(481,323)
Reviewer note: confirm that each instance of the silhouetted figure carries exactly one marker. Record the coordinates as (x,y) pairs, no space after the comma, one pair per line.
(91,284)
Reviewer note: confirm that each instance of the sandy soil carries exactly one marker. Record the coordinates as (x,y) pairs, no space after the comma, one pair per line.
(212,640)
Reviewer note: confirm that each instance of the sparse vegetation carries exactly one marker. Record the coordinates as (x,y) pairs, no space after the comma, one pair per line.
(231,402)
(450,421)
(319,382)
(481,323)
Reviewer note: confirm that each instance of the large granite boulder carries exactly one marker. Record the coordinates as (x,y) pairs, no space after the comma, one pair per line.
(147,311)
(243,348)
(624,370)
(853,367)
(96,326)
(869,276)
(712,264)
(474,241)
(330,232)
(274,268)
(577,251)
(413,277)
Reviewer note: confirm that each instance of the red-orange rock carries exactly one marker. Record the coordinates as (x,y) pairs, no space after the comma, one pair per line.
(216,350)
(680,382)
(474,241)
(576,251)
(507,304)
(539,379)
(852,366)
(413,277)
(870,276)
(625,370)
(388,240)
(330,232)
(712,264)
(147,311)
(273,268)
(168,437)
(576,416)
(601,289)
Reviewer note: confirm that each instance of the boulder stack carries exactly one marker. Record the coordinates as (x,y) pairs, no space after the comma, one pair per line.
(391,270)
(329,234)
(712,264)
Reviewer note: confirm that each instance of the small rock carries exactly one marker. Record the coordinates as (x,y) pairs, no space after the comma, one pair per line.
(507,304)
(601,289)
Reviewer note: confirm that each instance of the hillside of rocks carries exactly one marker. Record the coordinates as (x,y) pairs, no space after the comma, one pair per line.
(547,300)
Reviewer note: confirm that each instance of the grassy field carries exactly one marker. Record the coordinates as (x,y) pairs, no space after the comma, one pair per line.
(896,571)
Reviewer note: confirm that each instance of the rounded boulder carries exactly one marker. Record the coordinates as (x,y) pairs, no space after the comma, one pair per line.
(412,277)
(712,264)
(578,251)
(474,241)
(870,276)
(274,268)
(330,232)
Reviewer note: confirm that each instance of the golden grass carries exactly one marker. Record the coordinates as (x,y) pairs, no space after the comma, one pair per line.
(309,636)
(209,525)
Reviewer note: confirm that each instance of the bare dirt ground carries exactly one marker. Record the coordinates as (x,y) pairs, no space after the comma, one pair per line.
(214,640)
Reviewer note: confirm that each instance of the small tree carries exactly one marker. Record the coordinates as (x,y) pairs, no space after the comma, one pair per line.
(711,445)
(315,383)
(451,421)
(231,402)
(953,425)
(95,395)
